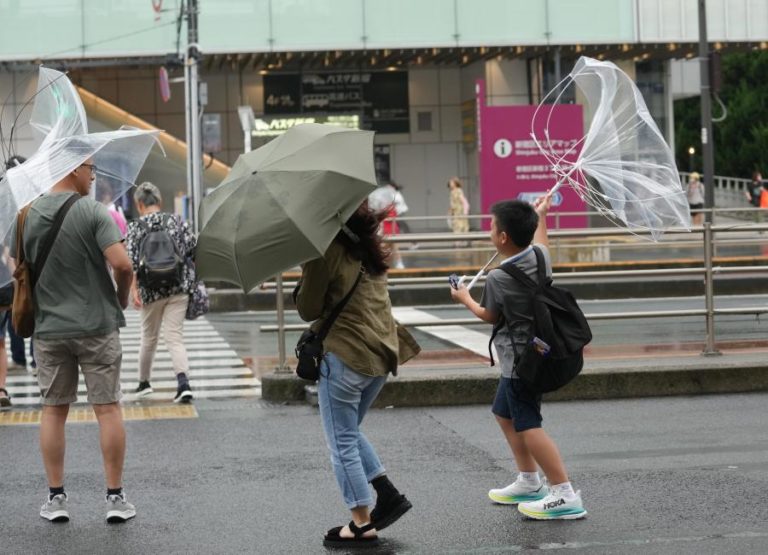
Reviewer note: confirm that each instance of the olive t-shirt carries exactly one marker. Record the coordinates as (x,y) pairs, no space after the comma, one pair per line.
(75,295)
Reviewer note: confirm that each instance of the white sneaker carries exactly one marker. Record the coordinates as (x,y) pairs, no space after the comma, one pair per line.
(519,492)
(554,507)
(55,509)
(118,509)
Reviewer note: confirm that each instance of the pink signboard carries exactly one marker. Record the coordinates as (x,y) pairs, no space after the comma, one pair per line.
(511,165)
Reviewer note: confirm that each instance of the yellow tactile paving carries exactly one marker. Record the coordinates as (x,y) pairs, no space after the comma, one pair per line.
(159,412)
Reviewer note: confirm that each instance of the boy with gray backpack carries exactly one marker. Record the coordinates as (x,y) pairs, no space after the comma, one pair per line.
(539,334)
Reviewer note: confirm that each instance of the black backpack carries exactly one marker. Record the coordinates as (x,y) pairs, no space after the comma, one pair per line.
(553,354)
(160,262)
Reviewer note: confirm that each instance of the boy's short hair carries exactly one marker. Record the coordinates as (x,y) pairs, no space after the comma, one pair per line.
(518,219)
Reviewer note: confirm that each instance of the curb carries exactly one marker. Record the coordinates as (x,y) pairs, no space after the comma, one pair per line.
(479,387)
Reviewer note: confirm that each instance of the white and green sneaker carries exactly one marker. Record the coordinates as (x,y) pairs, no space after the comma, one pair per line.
(554,507)
(519,492)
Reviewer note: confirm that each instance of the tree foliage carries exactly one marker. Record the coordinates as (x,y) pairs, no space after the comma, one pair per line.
(741,141)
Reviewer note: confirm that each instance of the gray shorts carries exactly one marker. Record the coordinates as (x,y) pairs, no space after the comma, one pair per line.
(99,357)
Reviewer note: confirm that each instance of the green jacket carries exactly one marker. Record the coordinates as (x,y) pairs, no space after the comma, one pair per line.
(365,336)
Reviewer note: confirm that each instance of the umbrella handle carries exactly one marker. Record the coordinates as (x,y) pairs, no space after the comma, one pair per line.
(562,180)
(481,272)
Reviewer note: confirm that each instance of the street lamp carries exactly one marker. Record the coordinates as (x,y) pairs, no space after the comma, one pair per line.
(691,152)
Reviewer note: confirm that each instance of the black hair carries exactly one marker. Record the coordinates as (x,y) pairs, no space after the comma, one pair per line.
(367,247)
(14,161)
(518,219)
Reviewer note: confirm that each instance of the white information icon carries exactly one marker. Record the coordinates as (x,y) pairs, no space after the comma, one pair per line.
(502,148)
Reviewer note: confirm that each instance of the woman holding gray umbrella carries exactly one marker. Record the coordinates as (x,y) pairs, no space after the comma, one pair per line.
(361,349)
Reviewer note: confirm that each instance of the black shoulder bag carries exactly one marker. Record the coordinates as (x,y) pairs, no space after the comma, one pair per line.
(309,349)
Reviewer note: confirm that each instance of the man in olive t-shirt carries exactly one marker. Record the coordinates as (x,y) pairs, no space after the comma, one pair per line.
(78,314)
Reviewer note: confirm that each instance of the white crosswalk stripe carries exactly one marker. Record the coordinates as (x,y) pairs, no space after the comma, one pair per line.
(471,340)
(215,370)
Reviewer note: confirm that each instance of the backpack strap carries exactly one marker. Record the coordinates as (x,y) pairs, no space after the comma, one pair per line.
(524,279)
(50,238)
(497,327)
(541,267)
(541,271)
(326,327)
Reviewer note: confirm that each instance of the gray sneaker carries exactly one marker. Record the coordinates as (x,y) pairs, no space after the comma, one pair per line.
(55,509)
(118,509)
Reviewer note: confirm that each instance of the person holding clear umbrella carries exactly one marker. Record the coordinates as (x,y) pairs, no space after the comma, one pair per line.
(362,349)
(77,319)
(69,241)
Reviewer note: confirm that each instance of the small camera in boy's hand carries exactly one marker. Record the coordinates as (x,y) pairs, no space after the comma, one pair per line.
(454,280)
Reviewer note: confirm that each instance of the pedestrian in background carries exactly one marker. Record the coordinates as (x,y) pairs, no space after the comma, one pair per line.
(5,398)
(361,350)
(6,298)
(18,350)
(695,192)
(78,315)
(114,211)
(754,189)
(459,207)
(161,305)
(389,202)
(507,305)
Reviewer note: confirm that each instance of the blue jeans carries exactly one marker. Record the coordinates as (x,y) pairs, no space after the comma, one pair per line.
(345,396)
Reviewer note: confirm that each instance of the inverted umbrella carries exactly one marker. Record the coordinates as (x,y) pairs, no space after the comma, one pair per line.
(624,168)
(58,119)
(283,203)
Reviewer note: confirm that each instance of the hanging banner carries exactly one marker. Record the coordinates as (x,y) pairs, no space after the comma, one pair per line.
(511,165)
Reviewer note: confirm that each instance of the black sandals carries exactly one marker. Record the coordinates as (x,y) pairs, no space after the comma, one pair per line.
(333,537)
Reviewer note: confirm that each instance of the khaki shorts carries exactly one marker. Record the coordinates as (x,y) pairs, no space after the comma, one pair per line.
(99,357)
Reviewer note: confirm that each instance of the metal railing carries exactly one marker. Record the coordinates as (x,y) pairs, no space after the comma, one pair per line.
(708,270)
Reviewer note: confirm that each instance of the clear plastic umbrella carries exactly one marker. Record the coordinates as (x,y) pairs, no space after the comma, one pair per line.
(624,169)
(59,119)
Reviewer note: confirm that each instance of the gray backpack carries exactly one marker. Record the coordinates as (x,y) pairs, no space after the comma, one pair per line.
(160,262)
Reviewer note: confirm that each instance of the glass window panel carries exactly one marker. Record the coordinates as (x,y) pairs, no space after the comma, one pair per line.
(409,23)
(575,21)
(235,25)
(501,22)
(40,28)
(130,27)
(317,24)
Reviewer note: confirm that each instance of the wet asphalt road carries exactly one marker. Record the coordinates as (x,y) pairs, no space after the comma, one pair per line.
(672,475)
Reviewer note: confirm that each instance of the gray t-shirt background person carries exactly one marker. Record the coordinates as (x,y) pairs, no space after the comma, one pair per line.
(75,296)
(503,294)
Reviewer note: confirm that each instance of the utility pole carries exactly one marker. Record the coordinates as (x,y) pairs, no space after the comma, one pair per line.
(192,99)
(707,146)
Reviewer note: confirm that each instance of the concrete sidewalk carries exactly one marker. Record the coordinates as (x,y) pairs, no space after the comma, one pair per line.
(686,374)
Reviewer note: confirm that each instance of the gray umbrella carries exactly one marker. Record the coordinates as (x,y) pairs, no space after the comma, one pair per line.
(283,203)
